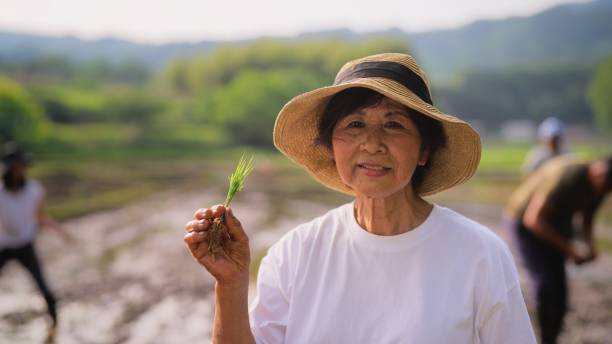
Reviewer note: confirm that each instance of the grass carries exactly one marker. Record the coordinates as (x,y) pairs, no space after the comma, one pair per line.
(96,135)
(508,158)
(499,157)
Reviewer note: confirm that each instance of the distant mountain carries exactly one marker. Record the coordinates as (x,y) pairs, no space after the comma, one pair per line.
(572,33)
(27,47)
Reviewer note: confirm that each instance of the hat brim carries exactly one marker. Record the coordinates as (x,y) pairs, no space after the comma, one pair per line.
(296,130)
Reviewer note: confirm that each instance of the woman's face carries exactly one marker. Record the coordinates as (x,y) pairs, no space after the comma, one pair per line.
(376,149)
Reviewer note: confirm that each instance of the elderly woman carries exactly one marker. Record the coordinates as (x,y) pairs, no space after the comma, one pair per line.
(389,267)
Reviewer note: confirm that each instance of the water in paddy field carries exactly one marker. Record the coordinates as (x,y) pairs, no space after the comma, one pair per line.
(129,278)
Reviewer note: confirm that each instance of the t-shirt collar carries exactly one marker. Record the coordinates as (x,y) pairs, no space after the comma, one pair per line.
(398,242)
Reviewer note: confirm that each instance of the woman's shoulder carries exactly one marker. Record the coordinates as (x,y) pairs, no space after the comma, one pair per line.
(462,229)
(32,188)
(34,183)
(35,187)
(319,229)
(486,251)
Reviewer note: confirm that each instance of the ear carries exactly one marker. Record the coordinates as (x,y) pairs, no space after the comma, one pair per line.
(423,157)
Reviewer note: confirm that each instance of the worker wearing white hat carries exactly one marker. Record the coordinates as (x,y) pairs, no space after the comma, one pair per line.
(551,134)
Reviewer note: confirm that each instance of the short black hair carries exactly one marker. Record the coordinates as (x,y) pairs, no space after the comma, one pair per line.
(11,152)
(352,99)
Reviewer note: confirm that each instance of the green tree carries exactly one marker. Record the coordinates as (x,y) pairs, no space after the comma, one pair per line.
(132,106)
(242,87)
(600,95)
(205,73)
(531,92)
(248,106)
(66,104)
(21,117)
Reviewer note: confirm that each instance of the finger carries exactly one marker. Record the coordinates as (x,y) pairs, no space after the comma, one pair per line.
(209,213)
(189,226)
(217,210)
(234,227)
(194,239)
(203,213)
(197,225)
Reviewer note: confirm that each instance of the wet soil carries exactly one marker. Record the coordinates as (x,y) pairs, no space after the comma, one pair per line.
(129,279)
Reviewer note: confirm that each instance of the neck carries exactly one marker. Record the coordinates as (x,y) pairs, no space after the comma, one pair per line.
(393,215)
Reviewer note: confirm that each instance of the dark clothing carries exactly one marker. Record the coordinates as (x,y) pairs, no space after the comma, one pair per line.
(567,191)
(546,268)
(572,194)
(26,255)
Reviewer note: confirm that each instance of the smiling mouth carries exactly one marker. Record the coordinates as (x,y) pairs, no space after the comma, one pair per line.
(373,167)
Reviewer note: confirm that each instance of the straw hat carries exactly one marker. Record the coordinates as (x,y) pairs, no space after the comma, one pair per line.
(398,77)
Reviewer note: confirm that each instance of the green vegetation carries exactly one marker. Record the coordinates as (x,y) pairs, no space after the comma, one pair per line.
(599,94)
(21,117)
(237,179)
(531,92)
(502,158)
(231,97)
(242,88)
(218,233)
(104,134)
(107,110)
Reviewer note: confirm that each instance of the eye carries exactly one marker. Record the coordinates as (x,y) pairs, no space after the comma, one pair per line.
(355,124)
(393,125)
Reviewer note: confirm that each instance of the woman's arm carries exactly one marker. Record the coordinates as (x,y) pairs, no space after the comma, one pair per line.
(46,221)
(587,230)
(231,322)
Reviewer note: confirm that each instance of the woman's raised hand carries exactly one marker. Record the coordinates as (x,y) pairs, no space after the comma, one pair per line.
(232,265)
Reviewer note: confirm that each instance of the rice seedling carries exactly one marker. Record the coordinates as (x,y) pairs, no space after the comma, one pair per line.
(217,234)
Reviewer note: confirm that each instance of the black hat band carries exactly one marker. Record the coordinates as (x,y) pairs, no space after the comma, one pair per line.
(389,70)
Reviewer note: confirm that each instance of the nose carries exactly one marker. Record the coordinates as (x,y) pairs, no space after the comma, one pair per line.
(373,141)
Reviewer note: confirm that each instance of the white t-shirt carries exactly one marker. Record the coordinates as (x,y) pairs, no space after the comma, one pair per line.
(450,280)
(18,224)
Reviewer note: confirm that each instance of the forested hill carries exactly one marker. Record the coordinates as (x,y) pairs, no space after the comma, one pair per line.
(575,33)
(568,33)
(25,48)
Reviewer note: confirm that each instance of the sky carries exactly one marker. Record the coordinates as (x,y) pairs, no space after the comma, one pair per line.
(151,21)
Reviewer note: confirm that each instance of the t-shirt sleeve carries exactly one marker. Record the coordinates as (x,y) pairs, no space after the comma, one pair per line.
(270,308)
(38,191)
(504,317)
(508,322)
